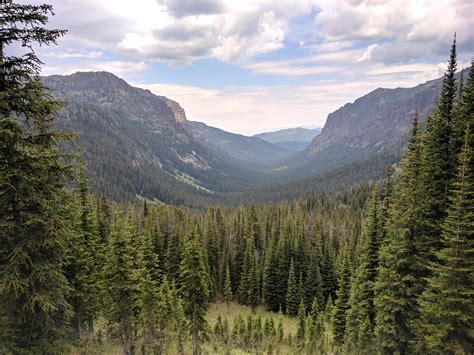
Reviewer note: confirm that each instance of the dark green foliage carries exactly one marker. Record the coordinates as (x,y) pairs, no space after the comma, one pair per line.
(35,223)
(398,283)
(313,285)
(293,294)
(227,286)
(341,305)
(301,330)
(438,164)
(122,282)
(194,290)
(446,306)
(361,315)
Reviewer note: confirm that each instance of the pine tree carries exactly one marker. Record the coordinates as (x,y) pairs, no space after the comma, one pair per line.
(398,284)
(271,278)
(173,255)
(120,282)
(313,326)
(227,287)
(34,229)
(293,298)
(341,304)
(195,291)
(464,115)
(328,273)
(438,164)
(247,269)
(361,315)
(301,329)
(447,308)
(253,287)
(313,286)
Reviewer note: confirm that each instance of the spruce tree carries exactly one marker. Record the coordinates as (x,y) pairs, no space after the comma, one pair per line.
(301,329)
(438,164)
(313,286)
(398,282)
(446,306)
(194,290)
(121,284)
(293,296)
(341,305)
(34,226)
(271,278)
(361,315)
(253,287)
(247,270)
(227,287)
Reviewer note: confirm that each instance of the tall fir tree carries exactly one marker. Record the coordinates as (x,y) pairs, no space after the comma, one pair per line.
(398,283)
(313,286)
(194,290)
(227,287)
(271,278)
(446,306)
(361,314)
(438,163)
(301,328)
(293,294)
(341,305)
(247,270)
(34,226)
(121,282)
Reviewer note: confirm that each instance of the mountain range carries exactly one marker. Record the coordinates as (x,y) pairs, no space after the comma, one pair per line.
(137,144)
(294,139)
(248,149)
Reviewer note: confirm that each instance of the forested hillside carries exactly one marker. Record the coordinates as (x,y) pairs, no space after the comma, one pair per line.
(373,126)
(248,149)
(136,144)
(379,267)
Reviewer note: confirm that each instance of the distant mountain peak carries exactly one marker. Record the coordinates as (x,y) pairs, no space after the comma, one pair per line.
(107,89)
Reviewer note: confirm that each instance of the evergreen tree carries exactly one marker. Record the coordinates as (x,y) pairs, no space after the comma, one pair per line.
(271,278)
(246,282)
(438,164)
(195,291)
(398,284)
(253,287)
(341,304)
(328,272)
(464,115)
(313,327)
(447,307)
(227,287)
(121,282)
(293,297)
(301,329)
(313,286)
(361,315)
(34,227)
(173,255)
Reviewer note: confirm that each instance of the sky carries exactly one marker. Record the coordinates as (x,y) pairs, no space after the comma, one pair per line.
(249,66)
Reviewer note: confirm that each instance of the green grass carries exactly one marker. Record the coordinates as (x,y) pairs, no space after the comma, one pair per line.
(106,346)
(234,309)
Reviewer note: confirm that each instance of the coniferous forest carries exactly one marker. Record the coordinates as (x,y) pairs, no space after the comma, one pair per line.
(379,267)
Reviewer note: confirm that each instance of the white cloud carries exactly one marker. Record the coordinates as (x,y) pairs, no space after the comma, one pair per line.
(359,44)
(249,110)
(117,67)
(72,53)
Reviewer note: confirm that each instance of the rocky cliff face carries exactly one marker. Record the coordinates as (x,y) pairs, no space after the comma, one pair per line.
(376,121)
(374,126)
(136,142)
